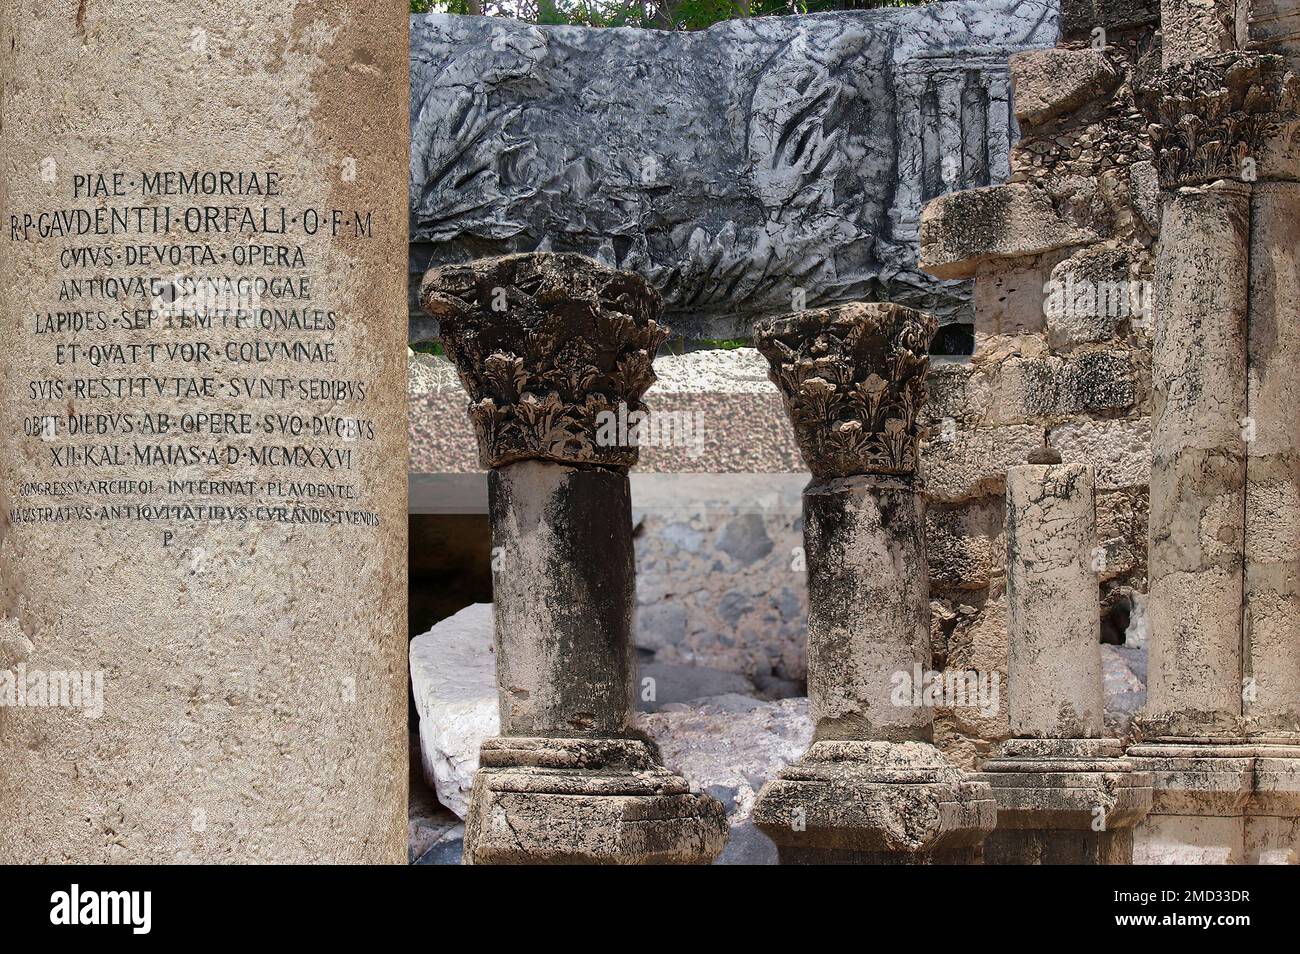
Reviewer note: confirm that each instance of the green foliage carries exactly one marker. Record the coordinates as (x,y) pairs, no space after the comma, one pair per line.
(650,14)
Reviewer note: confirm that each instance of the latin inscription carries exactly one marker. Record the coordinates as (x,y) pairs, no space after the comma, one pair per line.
(191,367)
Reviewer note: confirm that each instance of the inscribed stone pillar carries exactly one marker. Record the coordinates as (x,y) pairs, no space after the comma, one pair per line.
(872,788)
(1065,795)
(556,352)
(203,471)
(1219,732)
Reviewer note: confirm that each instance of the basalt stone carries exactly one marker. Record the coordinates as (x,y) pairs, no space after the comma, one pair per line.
(745,539)
(732,167)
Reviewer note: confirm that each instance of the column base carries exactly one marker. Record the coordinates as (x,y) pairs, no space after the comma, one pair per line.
(875,803)
(1064,801)
(586,801)
(1220,802)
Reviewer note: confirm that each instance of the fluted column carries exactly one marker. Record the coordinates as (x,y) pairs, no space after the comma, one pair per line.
(554,350)
(1065,794)
(872,788)
(1219,732)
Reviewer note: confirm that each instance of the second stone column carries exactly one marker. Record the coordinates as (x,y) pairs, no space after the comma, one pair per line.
(1065,793)
(872,788)
(552,349)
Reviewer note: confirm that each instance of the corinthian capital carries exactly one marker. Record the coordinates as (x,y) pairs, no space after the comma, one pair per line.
(853,380)
(547,345)
(1221,118)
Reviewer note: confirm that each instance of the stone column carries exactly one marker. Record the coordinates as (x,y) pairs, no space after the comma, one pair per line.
(203,465)
(555,352)
(203,470)
(1219,732)
(999,126)
(1065,795)
(872,788)
(949,85)
(905,213)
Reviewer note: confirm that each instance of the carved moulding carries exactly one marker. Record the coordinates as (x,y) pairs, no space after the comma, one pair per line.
(1216,118)
(547,344)
(853,379)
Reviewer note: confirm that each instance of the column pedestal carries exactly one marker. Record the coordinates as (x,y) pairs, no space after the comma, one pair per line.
(1064,802)
(1220,803)
(894,803)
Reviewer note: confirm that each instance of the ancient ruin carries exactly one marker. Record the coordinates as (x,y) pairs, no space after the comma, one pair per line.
(1107,475)
(1064,792)
(1221,731)
(202,478)
(552,348)
(868,437)
(872,788)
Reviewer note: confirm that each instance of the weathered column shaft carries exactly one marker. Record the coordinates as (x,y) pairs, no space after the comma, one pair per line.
(1198,466)
(948,88)
(1053,658)
(564,597)
(1065,795)
(868,607)
(553,349)
(203,445)
(909,184)
(1271,696)
(1219,730)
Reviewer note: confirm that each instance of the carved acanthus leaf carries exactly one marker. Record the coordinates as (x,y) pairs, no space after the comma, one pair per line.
(1211,119)
(547,345)
(853,380)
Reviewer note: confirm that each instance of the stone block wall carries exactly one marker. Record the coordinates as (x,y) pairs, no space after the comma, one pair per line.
(1061,257)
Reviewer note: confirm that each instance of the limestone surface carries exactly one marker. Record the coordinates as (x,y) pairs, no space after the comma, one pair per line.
(547,345)
(239,589)
(1049,83)
(453,680)
(853,381)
